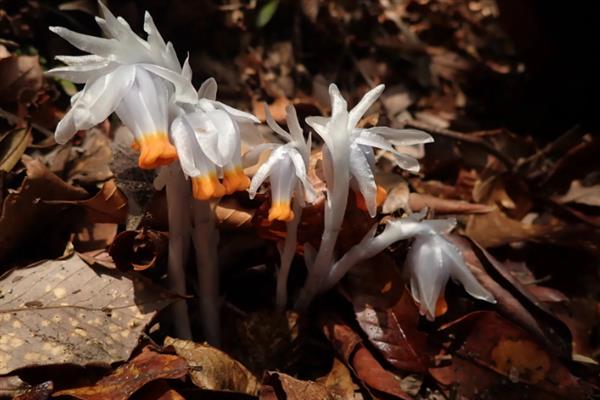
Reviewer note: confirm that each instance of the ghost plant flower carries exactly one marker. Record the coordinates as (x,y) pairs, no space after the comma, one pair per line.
(286,167)
(349,160)
(125,74)
(207,137)
(430,262)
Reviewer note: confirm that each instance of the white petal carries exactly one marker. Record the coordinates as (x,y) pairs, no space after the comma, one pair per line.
(186,70)
(82,73)
(97,100)
(300,167)
(264,172)
(405,162)
(293,124)
(91,44)
(275,126)
(238,114)
(82,60)
(361,171)
(402,137)
(319,124)
(154,37)
(283,180)
(185,142)
(184,91)
(363,105)
(251,156)
(441,226)
(208,89)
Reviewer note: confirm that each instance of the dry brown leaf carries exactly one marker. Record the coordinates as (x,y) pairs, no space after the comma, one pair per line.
(230,215)
(279,386)
(93,165)
(339,382)
(418,202)
(128,378)
(12,147)
(40,391)
(22,79)
(26,219)
(588,195)
(66,311)
(212,369)
(139,250)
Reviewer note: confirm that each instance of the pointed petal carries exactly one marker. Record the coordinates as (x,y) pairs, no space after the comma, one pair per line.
(251,156)
(82,73)
(363,105)
(405,162)
(238,114)
(361,171)
(300,167)
(186,70)
(293,124)
(154,37)
(208,89)
(184,91)
(402,137)
(91,44)
(264,172)
(275,126)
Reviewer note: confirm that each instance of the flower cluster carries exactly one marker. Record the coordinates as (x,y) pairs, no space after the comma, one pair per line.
(143,82)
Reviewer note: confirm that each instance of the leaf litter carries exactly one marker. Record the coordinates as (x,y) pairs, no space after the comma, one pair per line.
(515,163)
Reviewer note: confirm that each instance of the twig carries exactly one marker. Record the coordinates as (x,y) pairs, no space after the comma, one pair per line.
(463,137)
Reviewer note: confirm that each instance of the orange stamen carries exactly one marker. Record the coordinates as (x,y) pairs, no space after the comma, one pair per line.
(280,210)
(155,150)
(234,180)
(379,198)
(207,187)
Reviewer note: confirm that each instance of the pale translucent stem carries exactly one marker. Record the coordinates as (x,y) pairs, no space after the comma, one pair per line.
(287,256)
(335,208)
(206,238)
(368,247)
(178,208)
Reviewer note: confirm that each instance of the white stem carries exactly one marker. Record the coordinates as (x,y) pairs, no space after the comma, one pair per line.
(287,256)
(178,194)
(206,238)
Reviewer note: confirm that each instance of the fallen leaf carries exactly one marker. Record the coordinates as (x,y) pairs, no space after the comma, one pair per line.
(213,369)
(93,163)
(26,219)
(148,366)
(230,215)
(339,381)
(497,345)
(357,357)
(12,147)
(139,250)
(588,195)
(158,390)
(40,391)
(65,311)
(22,79)
(438,205)
(279,386)
(11,386)
(387,313)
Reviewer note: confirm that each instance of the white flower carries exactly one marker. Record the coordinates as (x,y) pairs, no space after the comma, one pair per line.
(361,142)
(286,167)
(430,262)
(207,138)
(136,78)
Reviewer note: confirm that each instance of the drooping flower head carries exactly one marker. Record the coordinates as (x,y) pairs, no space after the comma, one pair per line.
(135,78)
(362,141)
(207,137)
(285,168)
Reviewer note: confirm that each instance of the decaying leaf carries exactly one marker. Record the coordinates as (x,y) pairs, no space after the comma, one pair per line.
(438,205)
(387,313)
(66,311)
(12,147)
(128,378)
(357,357)
(496,355)
(339,382)
(212,369)
(26,219)
(139,250)
(22,78)
(279,386)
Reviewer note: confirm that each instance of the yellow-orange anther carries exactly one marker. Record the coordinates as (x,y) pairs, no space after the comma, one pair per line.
(235,180)
(281,211)
(155,150)
(207,187)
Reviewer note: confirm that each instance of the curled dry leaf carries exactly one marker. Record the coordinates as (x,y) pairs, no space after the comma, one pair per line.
(66,311)
(387,313)
(357,357)
(26,217)
(213,369)
(496,355)
(139,250)
(12,146)
(279,386)
(339,382)
(148,366)
(229,214)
